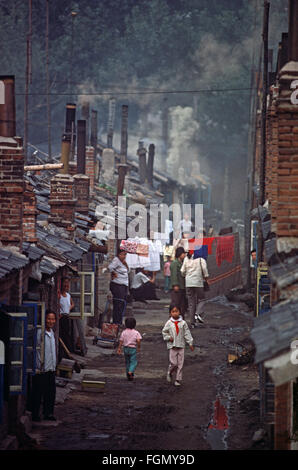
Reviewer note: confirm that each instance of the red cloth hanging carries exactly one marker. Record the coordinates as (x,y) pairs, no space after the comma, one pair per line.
(225,249)
(195,243)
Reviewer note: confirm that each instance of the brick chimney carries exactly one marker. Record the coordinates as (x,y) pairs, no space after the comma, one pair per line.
(11,191)
(82,191)
(90,166)
(81,180)
(62,201)
(11,169)
(29,214)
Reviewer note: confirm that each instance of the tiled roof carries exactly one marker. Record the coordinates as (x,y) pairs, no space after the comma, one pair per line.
(274,331)
(10,261)
(33,252)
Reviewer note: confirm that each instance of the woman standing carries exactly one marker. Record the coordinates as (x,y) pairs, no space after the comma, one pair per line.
(119,285)
(195,272)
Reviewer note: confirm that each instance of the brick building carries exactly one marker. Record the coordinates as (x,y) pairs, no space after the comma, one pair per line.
(275,327)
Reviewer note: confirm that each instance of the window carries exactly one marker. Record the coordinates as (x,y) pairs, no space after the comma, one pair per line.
(13,331)
(82,293)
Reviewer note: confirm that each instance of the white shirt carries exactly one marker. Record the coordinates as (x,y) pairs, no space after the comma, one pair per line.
(194,270)
(139,279)
(49,351)
(184,336)
(122,272)
(65,304)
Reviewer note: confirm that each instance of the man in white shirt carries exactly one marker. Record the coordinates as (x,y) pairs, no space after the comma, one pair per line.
(66,305)
(43,382)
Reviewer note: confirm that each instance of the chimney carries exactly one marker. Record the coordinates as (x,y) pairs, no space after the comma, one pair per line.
(85,116)
(150,164)
(62,201)
(124,125)
(81,181)
(7,107)
(112,107)
(293,30)
(81,147)
(90,166)
(141,152)
(82,192)
(11,169)
(107,167)
(65,152)
(93,138)
(29,214)
(70,127)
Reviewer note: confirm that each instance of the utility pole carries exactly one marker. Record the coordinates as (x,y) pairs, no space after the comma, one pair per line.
(28,78)
(48,80)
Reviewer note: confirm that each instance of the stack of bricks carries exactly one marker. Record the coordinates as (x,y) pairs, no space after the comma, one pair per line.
(81,191)
(90,166)
(287,204)
(11,192)
(62,201)
(29,214)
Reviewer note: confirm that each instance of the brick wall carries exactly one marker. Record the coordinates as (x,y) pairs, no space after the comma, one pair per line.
(90,166)
(62,201)
(29,214)
(283,416)
(11,193)
(271,179)
(287,203)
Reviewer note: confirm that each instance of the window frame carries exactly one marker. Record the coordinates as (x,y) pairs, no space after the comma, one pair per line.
(82,314)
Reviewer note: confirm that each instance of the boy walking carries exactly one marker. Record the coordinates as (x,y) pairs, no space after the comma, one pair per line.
(176,333)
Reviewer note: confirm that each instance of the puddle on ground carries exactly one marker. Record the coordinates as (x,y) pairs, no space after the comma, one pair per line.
(219,425)
(98,436)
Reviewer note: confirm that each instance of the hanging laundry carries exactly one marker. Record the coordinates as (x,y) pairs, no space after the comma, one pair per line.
(197,243)
(224,249)
(142,249)
(129,246)
(154,256)
(201,252)
(168,251)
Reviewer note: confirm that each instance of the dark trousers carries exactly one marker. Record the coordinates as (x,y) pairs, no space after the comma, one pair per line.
(65,332)
(43,391)
(145,292)
(119,292)
(179,299)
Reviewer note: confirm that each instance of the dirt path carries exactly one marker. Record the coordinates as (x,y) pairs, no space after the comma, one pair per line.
(217,406)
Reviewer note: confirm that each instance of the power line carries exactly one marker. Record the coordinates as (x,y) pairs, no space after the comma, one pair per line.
(153,92)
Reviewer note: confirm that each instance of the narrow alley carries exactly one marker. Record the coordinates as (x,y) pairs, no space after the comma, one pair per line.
(151,413)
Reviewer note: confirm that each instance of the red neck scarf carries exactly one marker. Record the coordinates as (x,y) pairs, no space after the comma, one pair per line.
(176,325)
